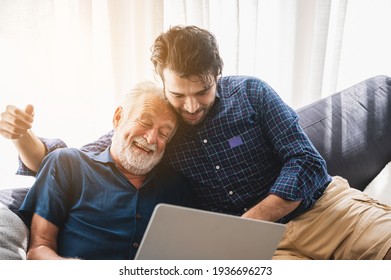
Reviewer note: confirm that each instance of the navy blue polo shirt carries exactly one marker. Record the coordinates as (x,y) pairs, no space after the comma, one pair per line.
(100,214)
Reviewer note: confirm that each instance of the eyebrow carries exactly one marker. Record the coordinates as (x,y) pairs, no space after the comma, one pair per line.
(201,91)
(149,116)
(169,127)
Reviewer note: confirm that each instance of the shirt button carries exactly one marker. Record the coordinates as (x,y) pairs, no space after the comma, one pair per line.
(230,192)
(138,217)
(205,141)
(135,245)
(217,167)
(245,209)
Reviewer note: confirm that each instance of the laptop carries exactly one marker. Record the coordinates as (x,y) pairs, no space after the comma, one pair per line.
(181,233)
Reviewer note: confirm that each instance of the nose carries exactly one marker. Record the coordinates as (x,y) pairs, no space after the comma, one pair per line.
(151,136)
(191,104)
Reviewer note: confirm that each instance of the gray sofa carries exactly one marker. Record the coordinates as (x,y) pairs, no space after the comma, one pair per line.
(351,129)
(13,235)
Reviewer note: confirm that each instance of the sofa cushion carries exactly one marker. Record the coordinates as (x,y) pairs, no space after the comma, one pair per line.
(379,188)
(352,130)
(13,198)
(13,235)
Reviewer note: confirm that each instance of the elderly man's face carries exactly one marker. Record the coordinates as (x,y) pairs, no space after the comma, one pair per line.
(139,140)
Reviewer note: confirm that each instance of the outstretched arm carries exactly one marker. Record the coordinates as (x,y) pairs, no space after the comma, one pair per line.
(15,124)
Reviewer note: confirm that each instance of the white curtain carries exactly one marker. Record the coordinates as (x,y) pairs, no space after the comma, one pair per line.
(305,49)
(75,59)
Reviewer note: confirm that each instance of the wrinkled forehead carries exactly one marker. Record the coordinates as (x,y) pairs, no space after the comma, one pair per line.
(157,108)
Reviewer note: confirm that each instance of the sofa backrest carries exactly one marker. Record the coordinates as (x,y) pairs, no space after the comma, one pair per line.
(352,130)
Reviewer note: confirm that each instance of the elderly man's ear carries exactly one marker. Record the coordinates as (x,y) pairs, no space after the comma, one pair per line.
(117,116)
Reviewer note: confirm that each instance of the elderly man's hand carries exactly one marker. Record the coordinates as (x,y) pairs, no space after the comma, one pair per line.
(16,122)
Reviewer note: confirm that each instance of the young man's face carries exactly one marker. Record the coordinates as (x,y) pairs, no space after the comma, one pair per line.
(139,140)
(189,96)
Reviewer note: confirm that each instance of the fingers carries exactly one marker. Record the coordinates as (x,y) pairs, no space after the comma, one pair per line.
(10,132)
(19,114)
(29,109)
(16,122)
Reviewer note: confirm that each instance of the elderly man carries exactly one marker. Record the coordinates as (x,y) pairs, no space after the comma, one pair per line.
(98,207)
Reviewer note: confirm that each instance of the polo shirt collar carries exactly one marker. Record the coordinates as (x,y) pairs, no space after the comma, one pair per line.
(105,157)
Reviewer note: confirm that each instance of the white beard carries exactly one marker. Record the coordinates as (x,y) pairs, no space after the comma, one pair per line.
(131,158)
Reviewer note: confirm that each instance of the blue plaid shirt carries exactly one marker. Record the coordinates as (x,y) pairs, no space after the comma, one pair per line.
(249,146)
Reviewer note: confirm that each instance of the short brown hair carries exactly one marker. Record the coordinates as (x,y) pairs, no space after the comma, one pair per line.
(187,51)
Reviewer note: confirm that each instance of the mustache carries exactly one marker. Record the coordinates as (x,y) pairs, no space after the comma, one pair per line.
(142,143)
(194,113)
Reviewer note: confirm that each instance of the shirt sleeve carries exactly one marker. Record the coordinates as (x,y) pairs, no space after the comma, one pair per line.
(99,145)
(49,197)
(93,148)
(304,171)
(50,146)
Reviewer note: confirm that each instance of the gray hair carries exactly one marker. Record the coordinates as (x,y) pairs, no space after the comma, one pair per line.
(141,92)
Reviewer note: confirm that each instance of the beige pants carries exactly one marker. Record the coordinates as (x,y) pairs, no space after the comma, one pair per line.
(344,224)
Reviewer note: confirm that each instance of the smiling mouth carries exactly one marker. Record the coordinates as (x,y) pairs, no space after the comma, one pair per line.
(194,116)
(145,149)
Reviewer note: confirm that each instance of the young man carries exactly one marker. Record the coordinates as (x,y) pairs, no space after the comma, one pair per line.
(245,154)
(98,207)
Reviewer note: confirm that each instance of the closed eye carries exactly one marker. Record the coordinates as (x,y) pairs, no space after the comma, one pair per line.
(144,123)
(201,93)
(165,134)
(177,95)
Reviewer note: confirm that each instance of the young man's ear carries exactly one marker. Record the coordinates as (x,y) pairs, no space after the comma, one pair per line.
(117,116)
